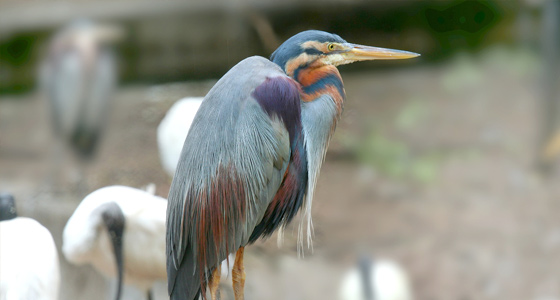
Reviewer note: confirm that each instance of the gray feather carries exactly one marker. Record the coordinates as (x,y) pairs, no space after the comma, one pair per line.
(230,129)
(318,118)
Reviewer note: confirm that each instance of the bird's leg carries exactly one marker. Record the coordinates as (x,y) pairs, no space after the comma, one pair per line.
(215,283)
(238,275)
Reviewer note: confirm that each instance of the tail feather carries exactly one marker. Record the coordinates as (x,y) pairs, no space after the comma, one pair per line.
(183,283)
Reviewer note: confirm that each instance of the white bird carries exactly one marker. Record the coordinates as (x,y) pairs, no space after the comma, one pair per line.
(173,130)
(376,280)
(121,232)
(29,268)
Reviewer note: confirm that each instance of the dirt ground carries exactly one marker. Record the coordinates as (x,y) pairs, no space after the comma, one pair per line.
(475,222)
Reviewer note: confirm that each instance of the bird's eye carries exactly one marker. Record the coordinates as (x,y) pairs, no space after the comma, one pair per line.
(331,46)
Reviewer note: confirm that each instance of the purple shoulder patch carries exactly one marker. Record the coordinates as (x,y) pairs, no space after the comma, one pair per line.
(280,96)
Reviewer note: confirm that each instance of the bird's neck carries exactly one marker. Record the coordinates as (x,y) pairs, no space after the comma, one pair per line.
(322,95)
(321,80)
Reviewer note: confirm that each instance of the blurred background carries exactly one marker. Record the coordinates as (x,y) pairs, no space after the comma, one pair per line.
(446,163)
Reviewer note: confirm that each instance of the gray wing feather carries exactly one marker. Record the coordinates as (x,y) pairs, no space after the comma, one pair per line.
(230,130)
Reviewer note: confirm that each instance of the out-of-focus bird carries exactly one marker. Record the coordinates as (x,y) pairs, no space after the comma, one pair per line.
(252,156)
(29,267)
(173,130)
(376,280)
(78,76)
(120,231)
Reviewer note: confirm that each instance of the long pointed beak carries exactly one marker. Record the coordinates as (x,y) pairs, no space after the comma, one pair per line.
(361,53)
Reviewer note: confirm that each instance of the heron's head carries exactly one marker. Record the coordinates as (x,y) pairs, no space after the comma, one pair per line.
(317,48)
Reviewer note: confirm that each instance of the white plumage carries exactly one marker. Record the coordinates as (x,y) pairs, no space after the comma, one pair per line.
(29,268)
(173,130)
(86,239)
(387,281)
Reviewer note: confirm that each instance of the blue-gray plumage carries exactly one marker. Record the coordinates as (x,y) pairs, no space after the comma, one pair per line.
(252,156)
(230,138)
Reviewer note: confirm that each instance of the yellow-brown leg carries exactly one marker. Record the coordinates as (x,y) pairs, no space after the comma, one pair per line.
(238,275)
(215,283)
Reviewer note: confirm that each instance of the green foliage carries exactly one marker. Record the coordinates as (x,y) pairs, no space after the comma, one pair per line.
(385,155)
(17,51)
(393,158)
(412,114)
